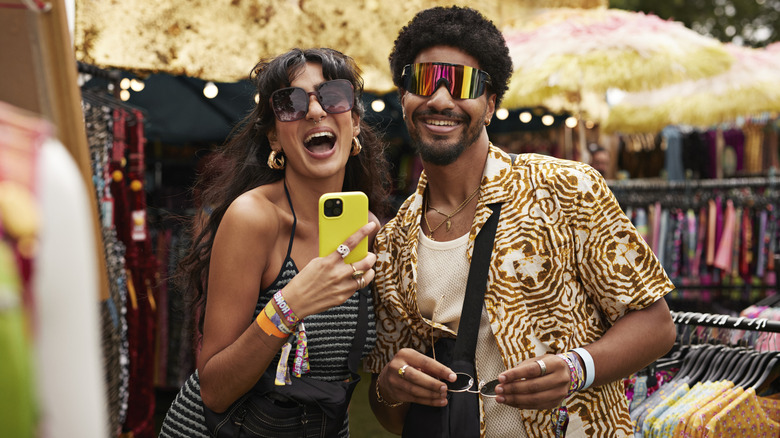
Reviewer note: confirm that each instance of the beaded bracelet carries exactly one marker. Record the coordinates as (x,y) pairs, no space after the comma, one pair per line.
(382,400)
(575,372)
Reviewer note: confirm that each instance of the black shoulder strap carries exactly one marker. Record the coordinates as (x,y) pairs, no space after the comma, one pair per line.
(466,342)
(361,333)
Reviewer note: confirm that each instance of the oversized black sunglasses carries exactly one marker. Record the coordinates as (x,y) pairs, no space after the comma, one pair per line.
(292,103)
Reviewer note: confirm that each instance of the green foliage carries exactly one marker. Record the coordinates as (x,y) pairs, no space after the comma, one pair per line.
(747,22)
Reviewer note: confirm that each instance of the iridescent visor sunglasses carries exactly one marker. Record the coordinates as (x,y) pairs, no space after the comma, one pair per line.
(462,82)
(292,103)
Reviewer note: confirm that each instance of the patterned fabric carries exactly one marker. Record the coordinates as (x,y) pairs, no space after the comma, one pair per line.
(747,416)
(330,335)
(697,421)
(561,239)
(657,413)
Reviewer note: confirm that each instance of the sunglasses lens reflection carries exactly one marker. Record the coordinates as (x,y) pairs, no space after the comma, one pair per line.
(292,103)
(462,383)
(489,388)
(336,96)
(463,82)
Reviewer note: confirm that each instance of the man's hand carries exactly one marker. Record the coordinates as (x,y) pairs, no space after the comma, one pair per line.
(526,387)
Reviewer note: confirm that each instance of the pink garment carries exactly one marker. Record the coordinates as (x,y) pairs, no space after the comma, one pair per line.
(711,218)
(722,258)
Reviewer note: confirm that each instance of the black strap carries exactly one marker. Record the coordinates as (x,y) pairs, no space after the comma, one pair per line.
(356,352)
(466,342)
(468,328)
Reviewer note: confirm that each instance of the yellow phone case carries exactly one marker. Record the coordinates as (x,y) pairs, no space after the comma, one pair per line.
(340,215)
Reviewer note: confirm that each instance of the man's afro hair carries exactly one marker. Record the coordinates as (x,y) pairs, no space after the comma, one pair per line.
(459,27)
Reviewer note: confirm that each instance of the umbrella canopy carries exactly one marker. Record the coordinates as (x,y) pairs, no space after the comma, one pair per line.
(566,59)
(220,40)
(750,87)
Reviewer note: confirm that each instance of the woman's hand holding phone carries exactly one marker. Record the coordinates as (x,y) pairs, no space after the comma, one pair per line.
(344,265)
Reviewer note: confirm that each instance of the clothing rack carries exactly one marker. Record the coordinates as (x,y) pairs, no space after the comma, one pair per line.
(113,76)
(725,321)
(710,184)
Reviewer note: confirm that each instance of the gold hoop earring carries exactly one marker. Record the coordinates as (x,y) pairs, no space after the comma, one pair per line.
(276,160)
(487,122)
(356,146)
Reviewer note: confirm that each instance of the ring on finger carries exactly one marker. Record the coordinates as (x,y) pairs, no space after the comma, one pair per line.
(358,274)
(402,371)
(358,282)
(543,367)
(343,250)
(361,282)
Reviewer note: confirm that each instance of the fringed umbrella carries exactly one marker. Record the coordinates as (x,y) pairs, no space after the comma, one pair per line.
(567,59)
(749,88)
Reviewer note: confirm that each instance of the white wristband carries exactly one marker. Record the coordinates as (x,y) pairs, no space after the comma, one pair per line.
(590,367)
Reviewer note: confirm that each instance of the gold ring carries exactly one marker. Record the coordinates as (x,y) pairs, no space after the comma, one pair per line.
(357,274)
(352,265)
(361,282)
(402,371)
(358,282)
(543,366)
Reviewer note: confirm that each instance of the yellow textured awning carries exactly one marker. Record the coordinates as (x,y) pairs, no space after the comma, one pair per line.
(221,40)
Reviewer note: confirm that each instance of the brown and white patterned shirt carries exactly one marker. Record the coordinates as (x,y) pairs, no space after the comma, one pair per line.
(567,264)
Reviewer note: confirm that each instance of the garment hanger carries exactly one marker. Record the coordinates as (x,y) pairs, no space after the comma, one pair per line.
(729,364)
(769,379)
(716,366)
(742,367)
(757,369)
(704,363)
(748,369)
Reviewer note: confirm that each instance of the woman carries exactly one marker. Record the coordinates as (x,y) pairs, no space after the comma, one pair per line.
(305,137)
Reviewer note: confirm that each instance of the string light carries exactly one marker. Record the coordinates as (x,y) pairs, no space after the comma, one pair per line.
(547,120)
(525,117)
(137,85)
(378,105)
(571,122)
(502,113)
(210,90)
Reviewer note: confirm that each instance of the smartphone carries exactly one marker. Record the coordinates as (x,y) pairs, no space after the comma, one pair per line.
(340,215)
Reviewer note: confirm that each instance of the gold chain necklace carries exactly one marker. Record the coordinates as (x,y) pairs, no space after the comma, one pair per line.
(449,216)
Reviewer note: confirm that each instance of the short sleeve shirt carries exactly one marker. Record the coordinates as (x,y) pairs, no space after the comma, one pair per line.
(567,263)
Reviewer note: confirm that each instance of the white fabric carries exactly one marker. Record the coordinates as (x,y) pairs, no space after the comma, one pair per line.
(69,365)
(442,270)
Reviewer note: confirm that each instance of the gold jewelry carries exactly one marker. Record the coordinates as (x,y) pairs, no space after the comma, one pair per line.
(357,274)
(356,147)
(487,122)
(361,282)
(276,160)
(402,371)
(447,220)
(382,400)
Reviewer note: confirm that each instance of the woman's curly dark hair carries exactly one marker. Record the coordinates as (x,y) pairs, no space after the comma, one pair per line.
(241,164)
(459,27)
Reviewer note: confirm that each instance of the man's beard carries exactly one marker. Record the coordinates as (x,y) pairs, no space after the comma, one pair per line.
(434,150)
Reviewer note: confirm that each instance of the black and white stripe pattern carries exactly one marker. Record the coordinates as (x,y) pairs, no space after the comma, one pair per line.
(329,334)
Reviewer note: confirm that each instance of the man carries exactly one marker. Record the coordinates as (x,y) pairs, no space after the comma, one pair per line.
(599,159)
(567,270)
